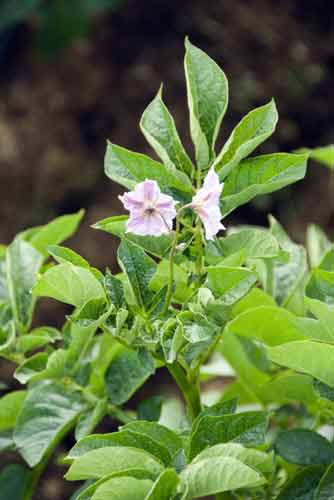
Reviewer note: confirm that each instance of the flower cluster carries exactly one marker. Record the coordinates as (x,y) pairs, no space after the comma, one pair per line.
(152,212)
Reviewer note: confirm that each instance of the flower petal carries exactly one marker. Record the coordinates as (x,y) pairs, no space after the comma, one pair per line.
(150,189)
(211,181)
(165,201)
(131,201)
(147,225)
(206,204)
(212,225)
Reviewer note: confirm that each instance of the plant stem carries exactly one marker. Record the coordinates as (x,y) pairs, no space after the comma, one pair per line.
(190,391)
(119,414)
(199,249)
(171,268)
(33,480)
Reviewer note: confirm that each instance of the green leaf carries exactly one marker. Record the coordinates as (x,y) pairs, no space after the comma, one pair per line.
(272,325)
(207,90)
(324,313)
(256,459)
(4,294)
(125,437)
(317,244)
(252,130)
(255,298)
(325,489)
(126,373)
(164,487)
(10,407)
(327,262)
(261,175)
(255,244)
(172,338)
(321,286)
(6,441)
(89,419)
(42,366)
(127,488)
(23,263)
(158,127)
(84,324)
(323,390)
(246,428)
(128,168)
(230,284)
(37,338)
(56,231)
(115,290)
(160,433)
(324,154)
(304,485)
(48,412)
(139,269)
(285,279)
(289,387)
(14,480)
(251,377)
(155,245)
(215,475)
(98,463)
(182,291)
(172,414)
(150,409)
(65,255)
(31,367)
(7,339)
(70,284)
(304,447)
(313,358)
(90,486)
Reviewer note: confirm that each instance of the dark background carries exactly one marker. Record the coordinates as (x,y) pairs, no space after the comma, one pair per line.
(69,82)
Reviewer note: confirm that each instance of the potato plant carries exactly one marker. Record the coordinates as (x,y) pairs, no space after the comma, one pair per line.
(245,306)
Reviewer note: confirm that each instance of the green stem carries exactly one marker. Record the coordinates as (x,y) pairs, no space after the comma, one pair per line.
(33,480)
(190,391)
(119,414)
(171,268)
(199,248)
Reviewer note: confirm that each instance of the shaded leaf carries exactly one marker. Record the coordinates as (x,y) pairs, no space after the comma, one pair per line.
(23,263)
(304,485)
(246,428)
(304,447)
(48,412)
(126,373)
(139,269)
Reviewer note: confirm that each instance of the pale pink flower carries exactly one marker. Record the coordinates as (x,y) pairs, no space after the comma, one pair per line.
(151,212)
(206,204)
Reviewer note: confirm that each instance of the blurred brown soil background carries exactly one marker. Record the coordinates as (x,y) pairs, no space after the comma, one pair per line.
(56,114)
